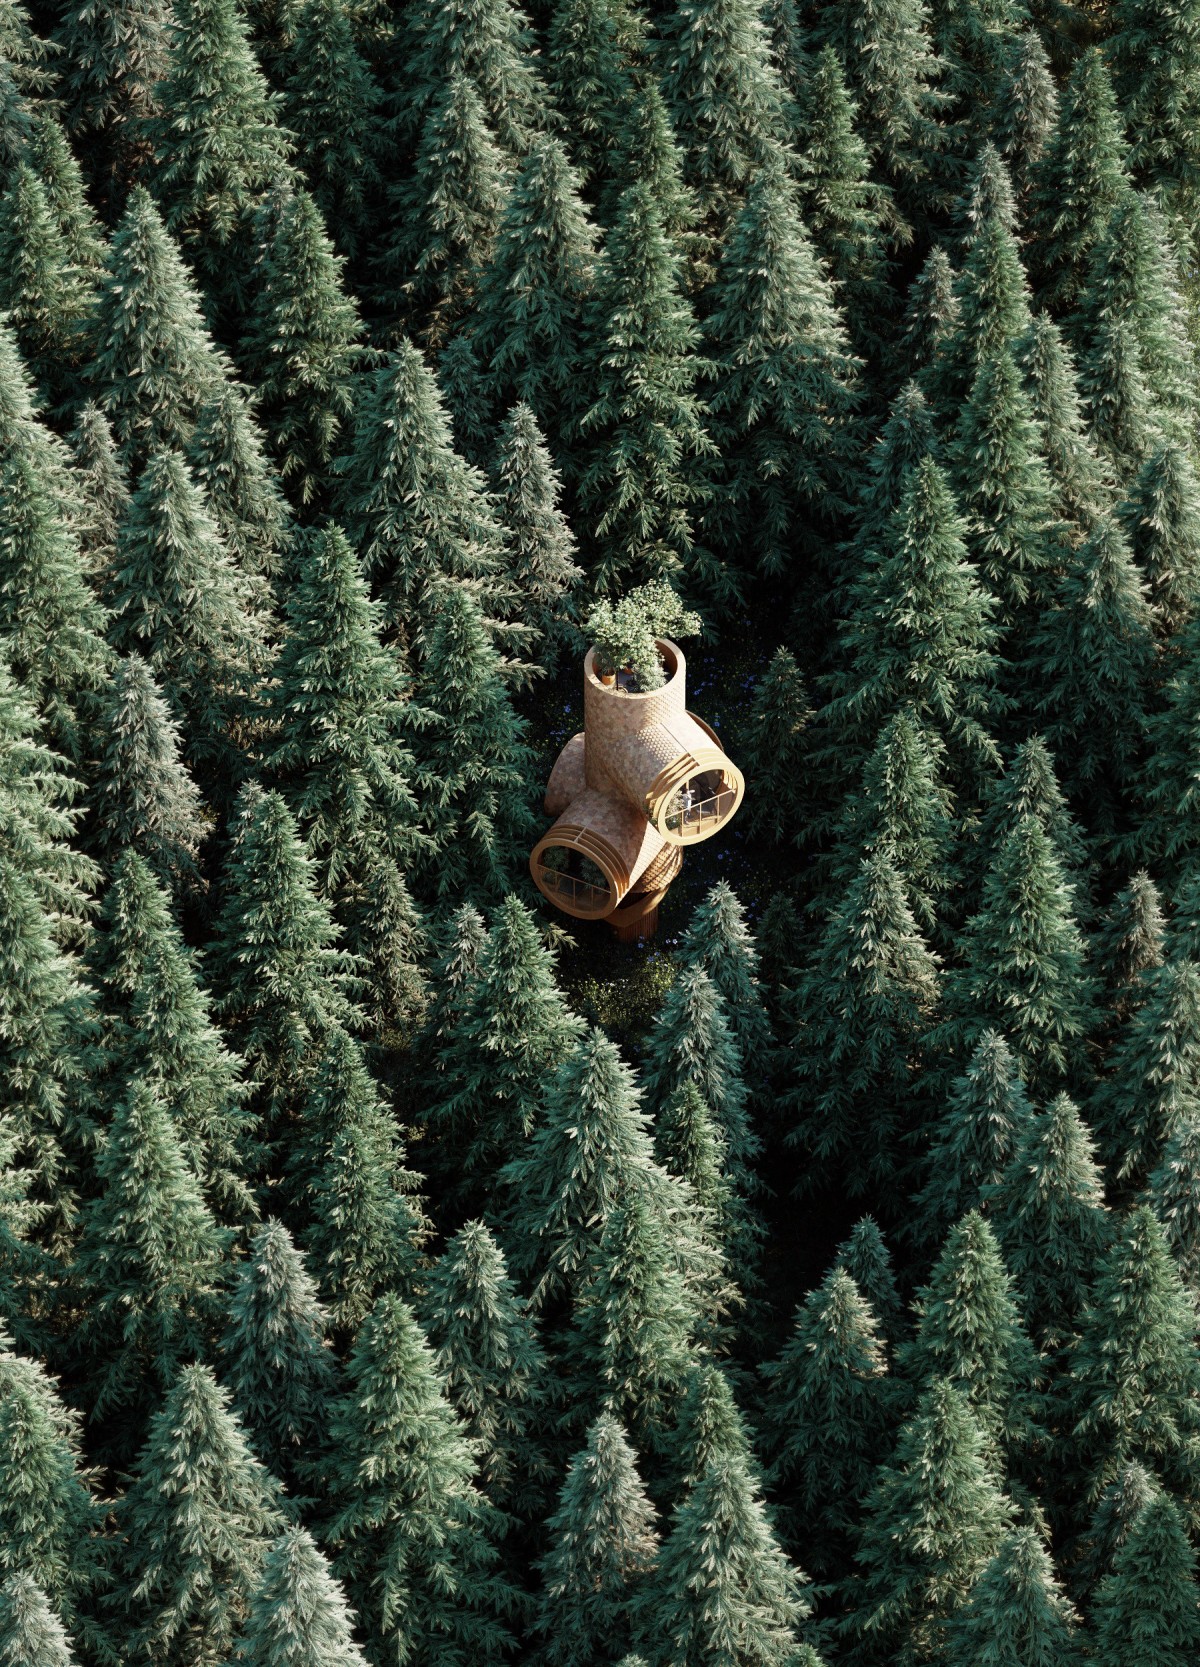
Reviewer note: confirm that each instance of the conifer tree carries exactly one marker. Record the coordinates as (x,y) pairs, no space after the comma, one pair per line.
(1023,962)
(274,956)
(934,1521)
(46,296)
(331,104)
(413,1536)
(775,743)
(487,1352)
(531,300)
(592,48)
(1018,1614)
(1130,945)
(722,1585)
(216,138)
(144,799)
(153,361)
(1049,1216)
(972,1144)
(931,313)
(690,1146)
(114,56)
(159,1031)
(228,462)
(355,1201)
(1025,112)
(1081,491)
(1096,649)
(338,754)
(416,513)
(847,213)
(388,934)
(645,151)
(301,344)
(196,1523)
(177,601)
(62,179)
(277,1366)
(31,1634)
(784,382)
(863,1003)
(490,43)
(969,1333)
(1173,1195)
(540,560)
(693,1042)
(102,500)
(297,1613)
(867,1259)
(49,1520)
(603,1542)
(1162,521)
(149,1257)
(1120,1506)
(589,1142)
(892,72)
(920,634)
(641,477)
(1079,179)
(1155,1079)
(1135,1371)
(1029,788)
(827,1414)
(1148,1605)
(471,760)
(1155,57)
(51,618)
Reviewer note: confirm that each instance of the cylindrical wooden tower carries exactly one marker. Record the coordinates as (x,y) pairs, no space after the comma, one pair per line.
(644,779)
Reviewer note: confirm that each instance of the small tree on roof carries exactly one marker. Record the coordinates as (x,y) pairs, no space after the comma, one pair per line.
(626,632)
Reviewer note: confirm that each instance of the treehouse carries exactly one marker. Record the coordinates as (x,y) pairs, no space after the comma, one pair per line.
(644,779)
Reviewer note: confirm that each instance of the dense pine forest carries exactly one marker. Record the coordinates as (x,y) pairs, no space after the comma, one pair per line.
(395,1272)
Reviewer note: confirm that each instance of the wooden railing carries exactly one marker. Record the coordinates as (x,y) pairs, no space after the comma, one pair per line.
(702,815)
(581,893)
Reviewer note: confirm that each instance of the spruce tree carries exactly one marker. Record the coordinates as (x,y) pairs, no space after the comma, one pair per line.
(540,559)
(1049,1216)
(196,1523)
(471,759)
(1155,57)
(931,1526)
(144,799)
(490,42)
(603,1542)
(102,501)
(1018,1614)
(337,750)
(1025,113)
(62,178)
(1148,1606)
(867,1259)
(46,296)
(690,1145)
(775,744)
(114,56)
(274,956)
(228,462)
(919,634)
(414,1539)
(641,477)
(1135,1372)
(531,299)
(1173,1195)
(592,49)
(297,1613)
(784,382)
(153,361)
(863,1004)
(354,1200)
(417,514)
(150,1255)
(1079,178)
(1129,946)
(1081,490)
(487,1352)
(1155,1079)
(969,1333)
(973,1141)
(216,138)
(177,601)
(31,1634)
(827,1407)
(930,313)
(277,1366)
(589,1141)
(1120,1506)
(49,1520)
(693,1042)
(331,104)
(1162,521)
(159,1031)
(301,343)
